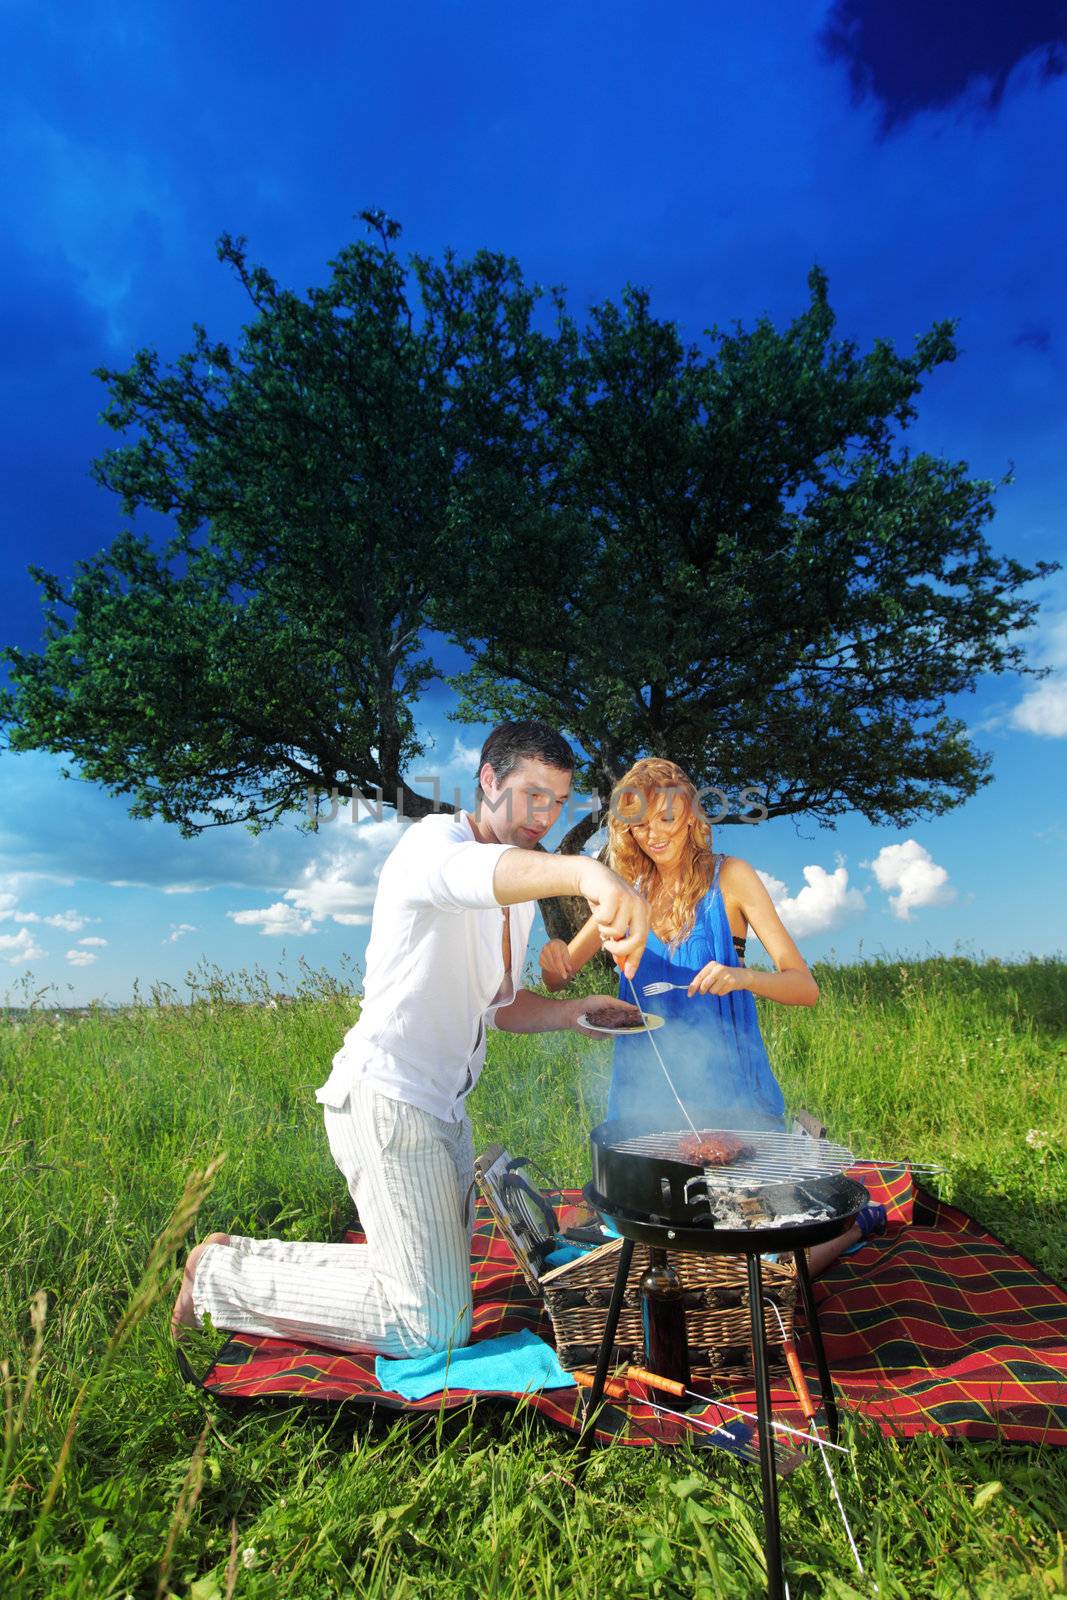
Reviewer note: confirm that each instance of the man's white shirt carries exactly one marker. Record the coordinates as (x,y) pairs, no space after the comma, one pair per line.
(434,969)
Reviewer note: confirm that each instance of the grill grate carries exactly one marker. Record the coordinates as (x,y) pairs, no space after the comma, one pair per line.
(775,1157)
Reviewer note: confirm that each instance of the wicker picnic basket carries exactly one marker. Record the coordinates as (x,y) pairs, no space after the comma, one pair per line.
(576,1294)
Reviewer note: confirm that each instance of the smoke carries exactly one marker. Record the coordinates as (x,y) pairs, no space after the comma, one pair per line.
(712,1061)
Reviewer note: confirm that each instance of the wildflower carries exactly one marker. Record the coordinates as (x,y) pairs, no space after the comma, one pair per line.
(1037,1139)
(249,1556)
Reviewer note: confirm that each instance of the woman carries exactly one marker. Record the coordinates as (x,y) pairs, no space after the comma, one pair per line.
(702,907)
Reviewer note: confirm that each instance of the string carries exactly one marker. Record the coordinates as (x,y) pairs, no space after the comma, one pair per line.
(660,1059)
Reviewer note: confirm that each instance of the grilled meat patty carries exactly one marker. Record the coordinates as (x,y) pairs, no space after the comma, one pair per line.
(713,1149)
(614,1014)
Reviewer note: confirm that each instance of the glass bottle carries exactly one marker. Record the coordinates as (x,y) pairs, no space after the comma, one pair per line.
(663,1323)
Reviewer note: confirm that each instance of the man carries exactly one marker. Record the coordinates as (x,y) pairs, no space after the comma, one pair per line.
(452,915)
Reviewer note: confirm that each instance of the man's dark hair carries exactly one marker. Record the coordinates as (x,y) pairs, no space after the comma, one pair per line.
(512,742)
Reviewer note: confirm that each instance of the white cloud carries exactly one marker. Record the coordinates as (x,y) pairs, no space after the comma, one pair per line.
(80,958)
(339,883)
(276,919)
(162,888)
(911,877)
(16,882)
(24,947)
(19,947)
(93,939)
(1051,645)
(456,772)
(298,879)
(823,904)
(341,887)
(464,758)
(70,921)
(1043,709)
(41,832)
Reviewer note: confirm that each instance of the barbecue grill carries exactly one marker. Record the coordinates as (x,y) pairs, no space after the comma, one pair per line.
(786,1192)
(784,1180)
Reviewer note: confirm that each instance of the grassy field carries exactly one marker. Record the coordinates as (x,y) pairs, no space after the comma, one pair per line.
(117,1481)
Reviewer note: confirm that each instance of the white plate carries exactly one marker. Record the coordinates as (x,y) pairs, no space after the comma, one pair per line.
(652,1021)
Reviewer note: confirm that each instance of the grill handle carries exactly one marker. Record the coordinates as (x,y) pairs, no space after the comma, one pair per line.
(796,1372)
(654,1381)
(612,1387)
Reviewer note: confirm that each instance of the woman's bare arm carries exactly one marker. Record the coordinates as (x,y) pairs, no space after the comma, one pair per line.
(584,945)
(560,961)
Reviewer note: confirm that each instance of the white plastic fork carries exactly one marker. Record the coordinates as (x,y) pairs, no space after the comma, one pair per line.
(661,988)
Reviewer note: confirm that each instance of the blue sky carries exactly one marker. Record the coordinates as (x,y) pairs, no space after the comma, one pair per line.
(711,155)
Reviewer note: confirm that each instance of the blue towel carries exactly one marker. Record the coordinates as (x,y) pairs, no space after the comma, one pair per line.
(516,1363)
(567,1252)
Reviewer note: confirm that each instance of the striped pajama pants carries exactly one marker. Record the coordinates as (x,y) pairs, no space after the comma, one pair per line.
(407,1291)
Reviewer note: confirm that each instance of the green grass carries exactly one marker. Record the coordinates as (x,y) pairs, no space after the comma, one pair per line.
(118,1481)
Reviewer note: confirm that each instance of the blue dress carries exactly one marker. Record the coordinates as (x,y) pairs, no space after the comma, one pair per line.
(711,1044)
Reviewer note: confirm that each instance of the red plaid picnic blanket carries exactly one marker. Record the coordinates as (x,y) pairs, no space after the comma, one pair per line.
(937,1327)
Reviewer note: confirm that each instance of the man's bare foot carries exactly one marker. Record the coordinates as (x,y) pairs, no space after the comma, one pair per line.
(183,1315)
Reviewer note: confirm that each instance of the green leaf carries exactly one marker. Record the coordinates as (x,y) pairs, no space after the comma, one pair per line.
(986,1493)
(205,1589)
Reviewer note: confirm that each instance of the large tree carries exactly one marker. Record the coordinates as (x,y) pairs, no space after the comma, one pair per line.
(730,557)
(276,640)
(726,555)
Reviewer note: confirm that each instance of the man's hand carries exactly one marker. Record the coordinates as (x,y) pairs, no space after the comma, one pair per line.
(622,915)
(718,979)
(594,1004)
(557,969)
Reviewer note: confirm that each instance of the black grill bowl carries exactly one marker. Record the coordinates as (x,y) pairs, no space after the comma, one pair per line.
(654,1187)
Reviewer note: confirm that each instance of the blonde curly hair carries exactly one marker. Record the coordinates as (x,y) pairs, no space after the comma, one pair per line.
(649,780)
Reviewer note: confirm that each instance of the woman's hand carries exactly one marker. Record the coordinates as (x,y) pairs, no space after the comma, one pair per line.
(718,979)
(557,969)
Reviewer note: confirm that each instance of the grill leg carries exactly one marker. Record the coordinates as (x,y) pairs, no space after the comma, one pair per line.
(603,1360)
(772,1533)
(833,1421)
